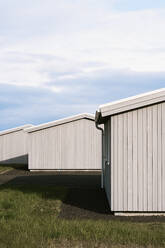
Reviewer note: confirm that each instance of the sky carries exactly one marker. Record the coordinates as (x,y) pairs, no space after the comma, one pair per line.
(60,58)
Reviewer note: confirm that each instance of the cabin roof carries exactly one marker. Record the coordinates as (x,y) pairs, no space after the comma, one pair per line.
(60,122)
(130,103)
(15,129)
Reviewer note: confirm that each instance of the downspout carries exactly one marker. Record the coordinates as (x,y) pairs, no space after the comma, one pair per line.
(102,147)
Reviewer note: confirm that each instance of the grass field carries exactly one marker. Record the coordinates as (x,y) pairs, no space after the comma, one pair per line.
(4,168)
(29,218)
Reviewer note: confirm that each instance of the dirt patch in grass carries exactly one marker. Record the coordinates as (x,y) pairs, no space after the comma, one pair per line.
(82,203)
(85,204)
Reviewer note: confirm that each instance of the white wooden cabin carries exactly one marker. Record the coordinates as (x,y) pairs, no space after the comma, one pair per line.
(72,143)
(134,153)
(13,145)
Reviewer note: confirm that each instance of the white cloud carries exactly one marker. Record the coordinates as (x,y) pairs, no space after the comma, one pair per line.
(49,41)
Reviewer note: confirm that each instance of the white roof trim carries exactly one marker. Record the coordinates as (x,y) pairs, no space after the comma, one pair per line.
(60,122)
(133,102)
(16,129)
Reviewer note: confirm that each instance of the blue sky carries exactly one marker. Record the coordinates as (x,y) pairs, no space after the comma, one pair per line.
(60,58)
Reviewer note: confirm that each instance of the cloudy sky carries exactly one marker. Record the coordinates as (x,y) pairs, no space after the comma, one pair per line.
(64,57)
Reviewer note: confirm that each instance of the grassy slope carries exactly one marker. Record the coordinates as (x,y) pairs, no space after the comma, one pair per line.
(28,218)
(4,168)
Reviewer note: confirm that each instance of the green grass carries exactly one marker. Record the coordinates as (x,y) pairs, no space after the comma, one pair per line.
(29,218)
(4,168)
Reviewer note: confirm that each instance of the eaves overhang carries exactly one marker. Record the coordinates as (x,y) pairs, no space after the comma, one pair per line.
(130,103)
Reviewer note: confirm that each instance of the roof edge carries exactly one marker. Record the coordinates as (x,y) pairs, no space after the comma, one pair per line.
(133,102)
(15,129)
(60,122)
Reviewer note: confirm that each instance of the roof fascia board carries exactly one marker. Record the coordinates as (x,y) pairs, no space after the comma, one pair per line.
(131,103)
(16,129)
(60,122)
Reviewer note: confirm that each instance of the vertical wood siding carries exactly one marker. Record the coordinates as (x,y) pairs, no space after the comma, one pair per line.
(13,147)
(138,160)
(74,145)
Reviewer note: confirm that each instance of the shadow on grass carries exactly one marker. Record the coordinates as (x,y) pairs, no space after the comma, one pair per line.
(83,190)
(17,163)
(83,200)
